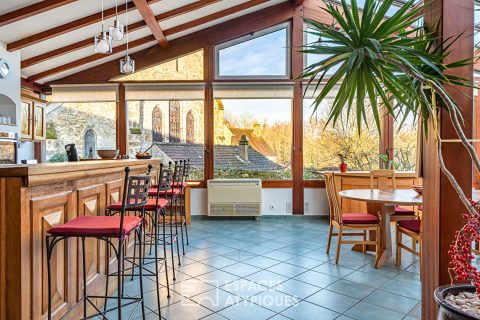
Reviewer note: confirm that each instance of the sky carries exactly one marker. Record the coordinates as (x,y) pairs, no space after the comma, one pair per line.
(269,110)
(265,55)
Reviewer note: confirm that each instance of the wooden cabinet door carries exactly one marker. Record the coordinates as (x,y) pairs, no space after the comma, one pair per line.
(39,123)
(91,202)
(47,212)
(26,127)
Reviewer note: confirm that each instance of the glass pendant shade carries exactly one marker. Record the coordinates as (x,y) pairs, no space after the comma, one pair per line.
(103,43)
(127,65)
(116,31)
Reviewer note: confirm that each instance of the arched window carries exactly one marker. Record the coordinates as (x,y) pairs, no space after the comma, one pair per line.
(174,121)
(190,127)
(157,125)
(90,143)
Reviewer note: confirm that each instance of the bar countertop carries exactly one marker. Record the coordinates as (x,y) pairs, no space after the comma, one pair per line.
(45,173)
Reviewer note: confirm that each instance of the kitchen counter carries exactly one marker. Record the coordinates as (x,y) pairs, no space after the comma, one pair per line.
(33,198)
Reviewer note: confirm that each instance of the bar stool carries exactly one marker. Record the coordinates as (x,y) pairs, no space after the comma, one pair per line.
(135,195)
(171,194)
(183,210)
(152,213)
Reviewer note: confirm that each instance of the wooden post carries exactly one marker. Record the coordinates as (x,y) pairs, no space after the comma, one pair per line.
(122,121)
(297,119)
(442,208)
(209,74)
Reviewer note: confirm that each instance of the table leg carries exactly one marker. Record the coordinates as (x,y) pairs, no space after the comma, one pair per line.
(385,236)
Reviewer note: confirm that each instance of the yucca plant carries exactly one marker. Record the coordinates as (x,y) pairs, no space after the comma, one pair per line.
(393,63)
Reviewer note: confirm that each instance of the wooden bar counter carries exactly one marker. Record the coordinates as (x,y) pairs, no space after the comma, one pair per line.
(34,198)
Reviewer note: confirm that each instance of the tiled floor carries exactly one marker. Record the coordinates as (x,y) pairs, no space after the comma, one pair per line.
(277,268)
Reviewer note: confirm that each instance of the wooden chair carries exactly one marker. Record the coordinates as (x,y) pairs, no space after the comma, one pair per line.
(384,179)
(410,228)
(348,221)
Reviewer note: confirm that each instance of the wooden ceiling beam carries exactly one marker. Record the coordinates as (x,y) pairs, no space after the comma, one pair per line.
(141,41)
(68,27)
(91,58)
(219,33)
(132,27)
(297,2)
(31,10)
(149,18)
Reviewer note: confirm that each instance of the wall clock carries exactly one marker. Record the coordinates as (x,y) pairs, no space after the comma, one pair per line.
(4,69)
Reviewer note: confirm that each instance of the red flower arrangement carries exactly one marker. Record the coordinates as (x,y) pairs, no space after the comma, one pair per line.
(461,249)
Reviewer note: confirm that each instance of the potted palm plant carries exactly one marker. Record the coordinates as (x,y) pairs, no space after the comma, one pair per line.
(395,63)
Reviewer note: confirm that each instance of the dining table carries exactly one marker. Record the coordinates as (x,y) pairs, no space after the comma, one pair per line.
(386,200)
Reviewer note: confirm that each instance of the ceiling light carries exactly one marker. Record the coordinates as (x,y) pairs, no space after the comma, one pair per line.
(116,31)
(127,65)
(103,42)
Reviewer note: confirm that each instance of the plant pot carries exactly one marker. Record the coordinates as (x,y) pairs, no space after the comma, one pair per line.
(343,167)
(448,312)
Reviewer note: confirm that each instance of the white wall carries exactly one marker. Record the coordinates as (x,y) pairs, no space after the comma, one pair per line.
(11,88)
(274,201)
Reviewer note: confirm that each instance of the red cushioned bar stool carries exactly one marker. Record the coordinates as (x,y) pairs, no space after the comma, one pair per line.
(106,228)
(171,194)
(154,234)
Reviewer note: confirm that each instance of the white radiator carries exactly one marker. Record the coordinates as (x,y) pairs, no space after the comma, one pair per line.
(234,197)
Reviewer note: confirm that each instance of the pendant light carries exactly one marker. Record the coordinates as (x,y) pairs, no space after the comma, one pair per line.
(127,65)
(103,42)
(117,30)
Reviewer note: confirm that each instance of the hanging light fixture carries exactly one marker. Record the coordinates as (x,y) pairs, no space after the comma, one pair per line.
(127,65)
(117,30)
(103,42)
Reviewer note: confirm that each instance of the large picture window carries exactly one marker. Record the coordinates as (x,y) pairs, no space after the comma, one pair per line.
(253,138)
(91,126)
(405,139)
(263,54)
(324,146)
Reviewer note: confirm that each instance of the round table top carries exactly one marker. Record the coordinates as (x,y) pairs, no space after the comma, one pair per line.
(404,197)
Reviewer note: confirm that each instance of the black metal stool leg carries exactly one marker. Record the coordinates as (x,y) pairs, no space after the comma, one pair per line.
(107,277)
(119,277)
(172,236)
(138,233)
(176,230)
(157,282)
(165,252)
(49,277)
(84,264)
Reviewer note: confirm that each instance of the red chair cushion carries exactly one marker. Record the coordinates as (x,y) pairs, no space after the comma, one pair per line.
(359,218)
(404,212)
(411,225)
(100,226)
(177,185)
(150,206)
(152,192)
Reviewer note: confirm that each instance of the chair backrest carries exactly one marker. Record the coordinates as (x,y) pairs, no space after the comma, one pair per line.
(178,174)
(332,196)
(186,170)
(164,179)
(135,192)
(382,177)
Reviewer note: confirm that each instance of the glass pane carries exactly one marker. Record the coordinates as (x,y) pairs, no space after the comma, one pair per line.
(405,144)
(265,55)
(322,147)
(88,125)
(188,67)
(168,130)
(253,138)
(311,58)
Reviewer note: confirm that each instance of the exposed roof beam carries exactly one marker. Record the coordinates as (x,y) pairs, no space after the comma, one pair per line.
(132,27)
(297,2)
(149,18)
(31,10)
(68,27)
(91,58)
(141,41)
(215,34)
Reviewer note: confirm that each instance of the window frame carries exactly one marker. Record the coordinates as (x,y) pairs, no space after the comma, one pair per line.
(254,35)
